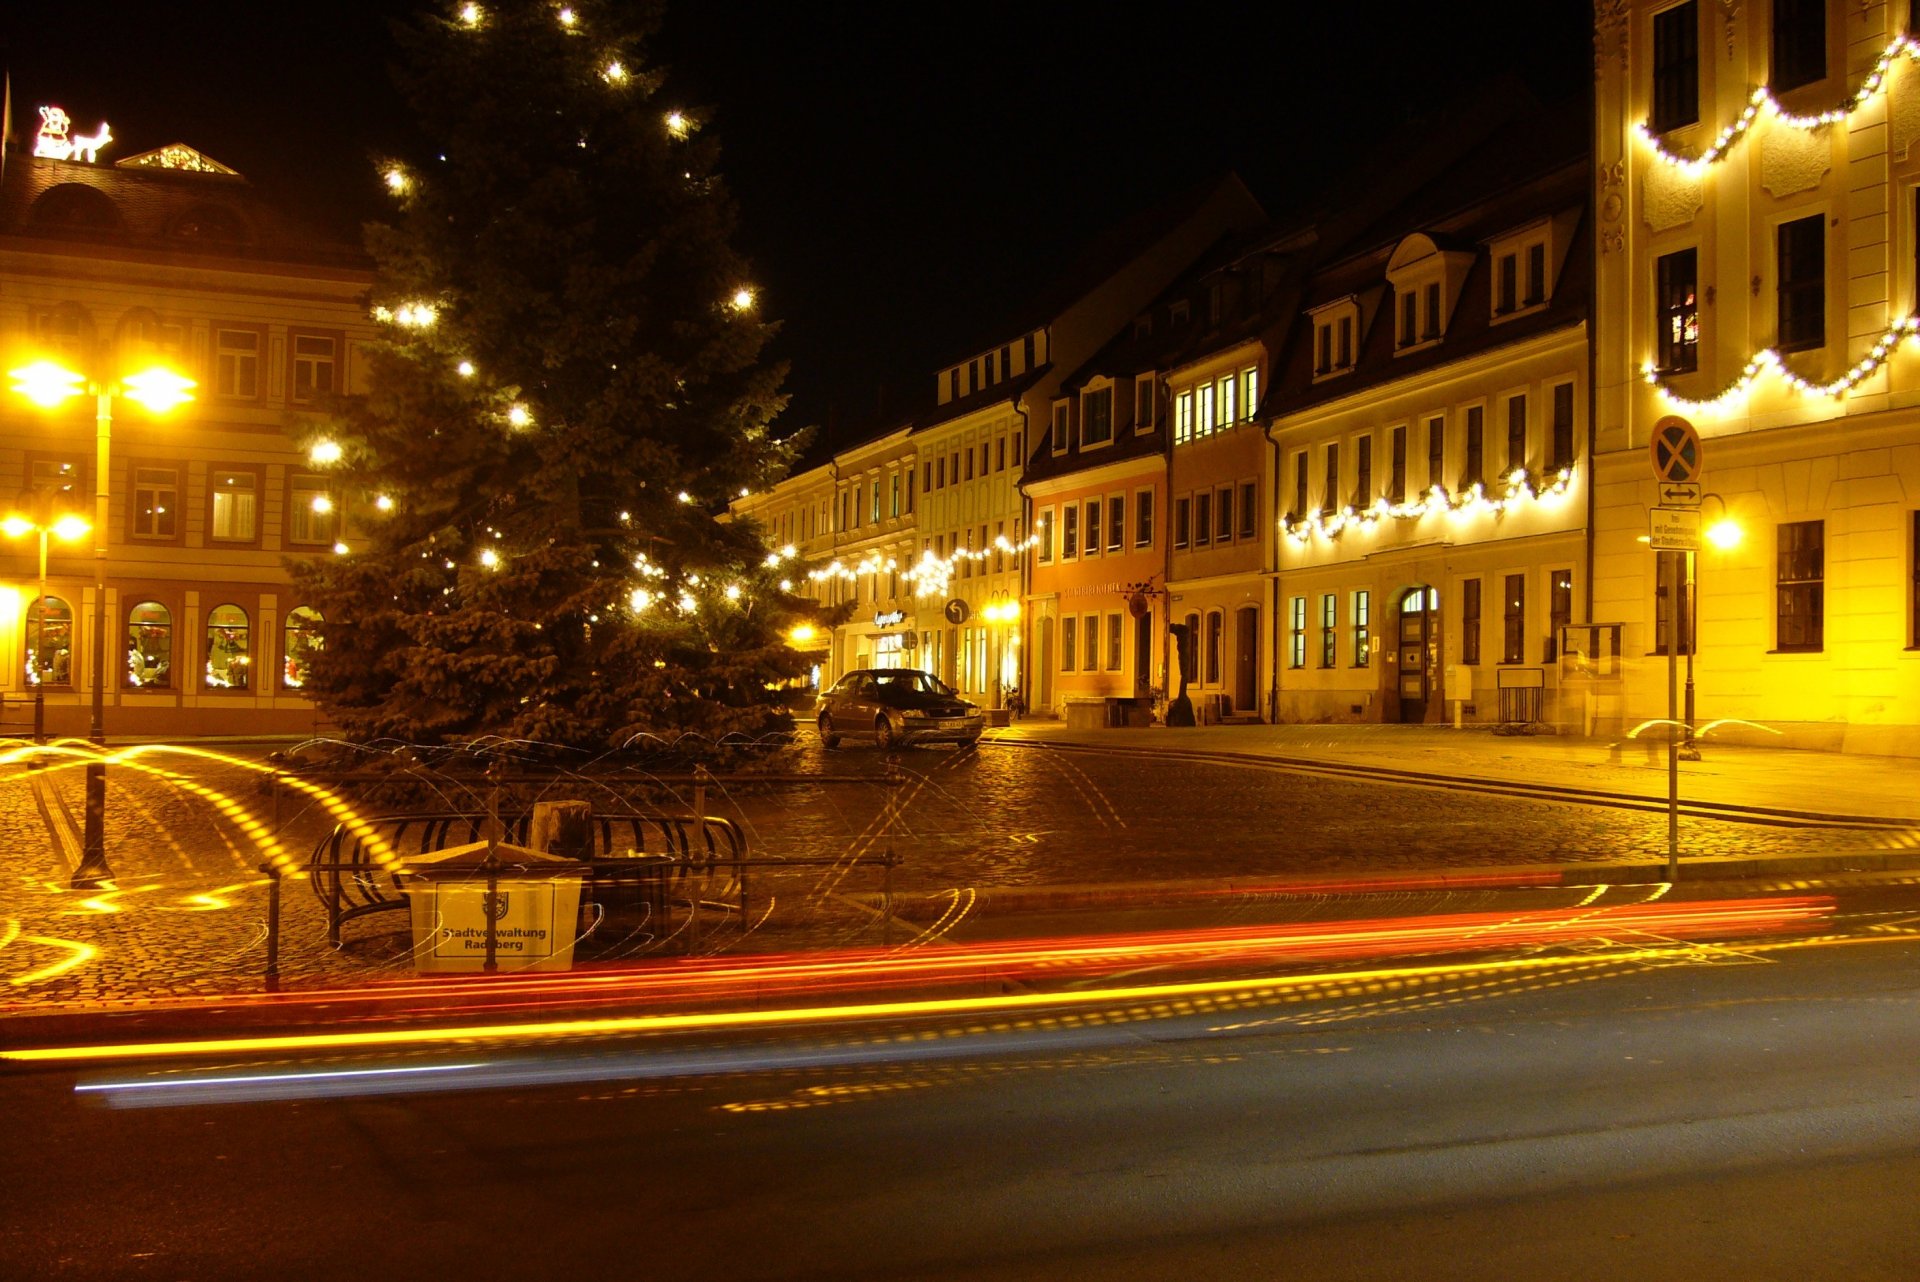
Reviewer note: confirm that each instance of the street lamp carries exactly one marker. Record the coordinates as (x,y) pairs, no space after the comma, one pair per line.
(50,385)
(1724,534)
(66,527)
(1000,613)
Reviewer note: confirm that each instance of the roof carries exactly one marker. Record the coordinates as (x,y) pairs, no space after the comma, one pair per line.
(190,213)
(1006,391)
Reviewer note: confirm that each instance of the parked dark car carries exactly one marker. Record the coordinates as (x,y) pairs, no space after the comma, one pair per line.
(897,707)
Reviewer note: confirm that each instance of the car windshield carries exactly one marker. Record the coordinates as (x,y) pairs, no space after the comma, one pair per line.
(913,682)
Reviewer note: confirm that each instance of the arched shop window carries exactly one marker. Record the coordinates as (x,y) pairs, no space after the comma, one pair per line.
(228,648)
(302,639)
(49,642)
(150,646)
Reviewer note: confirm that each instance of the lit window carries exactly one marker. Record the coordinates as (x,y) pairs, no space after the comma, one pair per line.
(49,641)
(236,363)
(156,502)
(302,639)
(313,367)
(310,512)
(149,646)
(228,648)
(233,506)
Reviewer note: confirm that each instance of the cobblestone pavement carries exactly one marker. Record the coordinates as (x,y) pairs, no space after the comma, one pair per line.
(186,912)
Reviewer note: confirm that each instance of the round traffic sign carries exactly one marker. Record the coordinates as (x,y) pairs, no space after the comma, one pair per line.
(1676,451)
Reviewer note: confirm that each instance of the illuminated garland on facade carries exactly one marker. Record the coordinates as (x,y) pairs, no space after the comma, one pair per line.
(1763,100)
(1521,487)
(1768,360)
(930,575)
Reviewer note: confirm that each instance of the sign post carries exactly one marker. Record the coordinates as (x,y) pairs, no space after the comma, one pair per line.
(1675,450)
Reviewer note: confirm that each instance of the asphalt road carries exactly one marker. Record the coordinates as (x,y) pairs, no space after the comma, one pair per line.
(1630,1108)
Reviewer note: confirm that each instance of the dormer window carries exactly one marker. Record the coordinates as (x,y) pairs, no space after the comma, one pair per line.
(1096,417)
(1525,262)
(1335,329)
(1057,443)
(1426,280)
(1179,313)
(1143,403)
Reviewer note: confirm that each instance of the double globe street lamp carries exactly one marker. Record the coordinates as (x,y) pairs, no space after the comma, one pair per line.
(159,390)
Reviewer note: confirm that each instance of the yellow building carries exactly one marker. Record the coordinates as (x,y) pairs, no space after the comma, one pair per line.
(1429,417)
(109,266)
(1757,277)
(796,516)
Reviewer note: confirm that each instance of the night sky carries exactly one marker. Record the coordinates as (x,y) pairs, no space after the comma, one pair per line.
(907,173)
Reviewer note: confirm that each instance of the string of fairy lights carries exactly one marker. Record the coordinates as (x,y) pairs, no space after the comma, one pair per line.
(1762,104)
(659,590)
(1519,488)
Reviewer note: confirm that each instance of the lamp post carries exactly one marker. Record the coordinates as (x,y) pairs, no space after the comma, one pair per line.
(66,527)
(49,386)
(1723,534)
(1001,614)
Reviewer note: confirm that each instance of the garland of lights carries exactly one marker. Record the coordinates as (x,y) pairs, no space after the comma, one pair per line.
(1521,487)
(1768,360)
(1763,100)
(930,575)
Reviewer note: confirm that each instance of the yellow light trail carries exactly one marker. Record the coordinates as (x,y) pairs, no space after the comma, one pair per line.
(79,955)
(1275,987)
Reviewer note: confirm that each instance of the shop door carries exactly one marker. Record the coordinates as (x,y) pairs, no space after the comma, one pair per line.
(1246,659)
(1142,655)
(1419,651)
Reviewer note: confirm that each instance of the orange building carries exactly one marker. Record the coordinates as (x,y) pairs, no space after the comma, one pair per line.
(167,258)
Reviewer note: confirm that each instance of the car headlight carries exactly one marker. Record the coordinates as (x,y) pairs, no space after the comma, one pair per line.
(916,714)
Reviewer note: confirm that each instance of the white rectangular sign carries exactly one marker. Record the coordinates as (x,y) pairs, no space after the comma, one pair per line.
(1675,529)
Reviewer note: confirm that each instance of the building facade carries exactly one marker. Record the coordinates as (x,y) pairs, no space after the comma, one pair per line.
(108,267)
(1757,277)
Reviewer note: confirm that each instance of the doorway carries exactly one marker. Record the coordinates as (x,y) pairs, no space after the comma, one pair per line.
(1142,654)
(1246,658)
(1419,651)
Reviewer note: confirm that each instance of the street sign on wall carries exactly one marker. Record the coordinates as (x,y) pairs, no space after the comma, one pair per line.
(1676,451)
(1675,529)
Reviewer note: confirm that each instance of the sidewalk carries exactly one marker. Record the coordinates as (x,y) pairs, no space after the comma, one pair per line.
(1885,788)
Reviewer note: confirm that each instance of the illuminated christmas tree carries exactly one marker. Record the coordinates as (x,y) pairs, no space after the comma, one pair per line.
(569,389)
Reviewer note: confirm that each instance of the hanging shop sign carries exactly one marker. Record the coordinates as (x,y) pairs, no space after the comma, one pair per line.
(889,618)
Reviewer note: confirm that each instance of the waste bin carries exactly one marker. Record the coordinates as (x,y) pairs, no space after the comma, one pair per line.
(535,908)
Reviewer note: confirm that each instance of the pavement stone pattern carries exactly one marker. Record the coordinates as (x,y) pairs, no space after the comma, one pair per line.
(186,913)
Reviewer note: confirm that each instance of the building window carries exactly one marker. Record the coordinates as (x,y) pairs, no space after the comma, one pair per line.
(1799,43)
(1562,436)
(236,363)
(1513,643)
(1409,319)
(1342,344)
(1663,623)
(1203,410)
(1800,617)
(1113,643)
(1470,622)
(313,367)
(1249,509)
(1096,423)
(1297,632)
(1506,296)
(1090,633)
(1559,611)
(1203,518)
(1329,623)
(1057,442)
(1093,527)
(1069,633)
(1363,473)
(156,502)
(1437,451)
(1215,625)
(1516,433)
(1432,328)
(150,646)
(1190,650)
(1300,485)
(1913,588)
(1143,403)
(1183,418)
(1116,522)
(1070,532)
(1802,253)
(234,506)
(1027,351)
(1677,278)
(302,639)
(1323,346)
(310,511)
(1473,471)
(1227,402)
(1044,530)
(1182,515)
(228,657)
(1362,629)
(1223,515)
(49,642)
(1143,518)
(1397,465)
(1676,68)
(1536,273)
(1331,500)
(973,375)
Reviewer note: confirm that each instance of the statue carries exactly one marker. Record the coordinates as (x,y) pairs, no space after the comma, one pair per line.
(1180,710)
